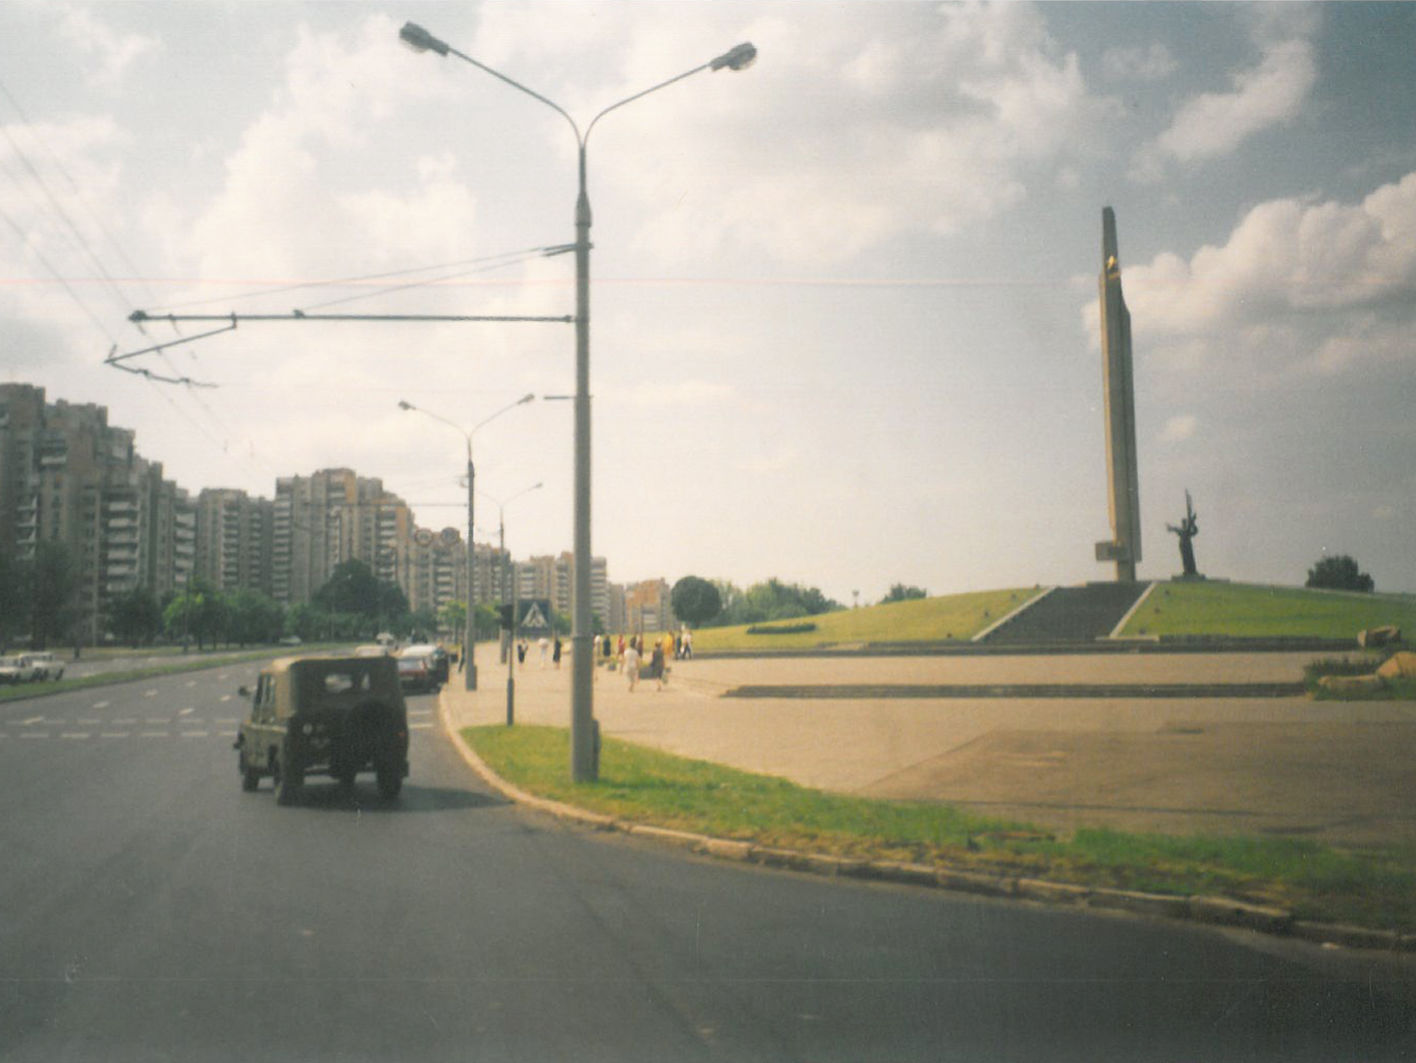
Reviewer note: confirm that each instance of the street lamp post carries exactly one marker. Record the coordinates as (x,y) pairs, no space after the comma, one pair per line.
(469,661)
(584,748)
(515,604)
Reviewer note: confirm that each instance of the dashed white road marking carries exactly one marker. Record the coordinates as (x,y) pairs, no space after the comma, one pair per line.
(149,693)
(226,697)
(75,734)
(195,734)
(187,712)
(155,734)
(116,734)
(89,723)
(158,719)
(34,734)
(32,721)
(101,704)
(126,722)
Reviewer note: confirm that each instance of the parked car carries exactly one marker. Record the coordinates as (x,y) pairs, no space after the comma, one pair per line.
(415,672)
(335,716)
(437,660)
(16,669)
(46,665)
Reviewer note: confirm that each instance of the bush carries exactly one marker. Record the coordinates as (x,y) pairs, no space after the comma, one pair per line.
(781,629)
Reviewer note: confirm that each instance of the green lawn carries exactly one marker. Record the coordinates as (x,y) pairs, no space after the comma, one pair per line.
(1251,610)
(956,617)
(1368,888)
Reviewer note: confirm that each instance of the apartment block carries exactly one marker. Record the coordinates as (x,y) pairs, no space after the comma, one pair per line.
(235,540)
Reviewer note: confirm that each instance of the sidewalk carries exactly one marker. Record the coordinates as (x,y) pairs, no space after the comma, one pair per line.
(1336,772)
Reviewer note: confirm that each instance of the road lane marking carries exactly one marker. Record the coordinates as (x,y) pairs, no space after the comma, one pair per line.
(196,734)
(32,721)
(149,693)
(116,734)
(420,726)
(76,734)
(156,734)
(186,712)
(34,734)
(101,704)
(127,721)
(158,719)
(89,723)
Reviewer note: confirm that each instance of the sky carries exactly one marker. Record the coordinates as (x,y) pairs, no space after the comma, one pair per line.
(843,303)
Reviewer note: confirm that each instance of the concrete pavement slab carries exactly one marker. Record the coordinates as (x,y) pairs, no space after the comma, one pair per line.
(1334,771)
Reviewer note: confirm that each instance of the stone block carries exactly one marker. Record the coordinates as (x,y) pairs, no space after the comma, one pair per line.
(1379,636)
(1401,665)
(1351,684)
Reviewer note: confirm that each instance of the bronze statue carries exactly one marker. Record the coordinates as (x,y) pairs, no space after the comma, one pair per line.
(1187,530)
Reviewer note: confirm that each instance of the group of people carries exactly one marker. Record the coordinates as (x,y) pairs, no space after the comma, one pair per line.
(546,647)
(631,654)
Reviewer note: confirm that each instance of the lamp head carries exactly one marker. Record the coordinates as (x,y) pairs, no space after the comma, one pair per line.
(420,40)
(525,399)
(403,405)
(738,58)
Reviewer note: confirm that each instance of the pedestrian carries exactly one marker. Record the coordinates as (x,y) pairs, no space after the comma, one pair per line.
(678,647)
(631,664)
(521,651)
(556,653)
(656,665)
(544,645)
(687,644)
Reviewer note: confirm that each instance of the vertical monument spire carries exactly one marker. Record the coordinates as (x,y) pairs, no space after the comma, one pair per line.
(1124,493)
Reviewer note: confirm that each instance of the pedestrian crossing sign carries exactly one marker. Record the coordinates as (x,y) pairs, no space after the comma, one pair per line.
(535,616)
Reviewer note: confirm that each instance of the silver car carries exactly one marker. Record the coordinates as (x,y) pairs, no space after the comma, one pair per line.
(16,669)
(46,666)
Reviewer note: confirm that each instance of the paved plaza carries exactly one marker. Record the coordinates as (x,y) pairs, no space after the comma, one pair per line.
(1339,772)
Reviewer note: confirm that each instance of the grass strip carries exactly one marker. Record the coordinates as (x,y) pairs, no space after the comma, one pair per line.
(1371,888)
(22,691)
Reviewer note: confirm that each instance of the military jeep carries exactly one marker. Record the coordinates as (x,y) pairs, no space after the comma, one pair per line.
(335,716)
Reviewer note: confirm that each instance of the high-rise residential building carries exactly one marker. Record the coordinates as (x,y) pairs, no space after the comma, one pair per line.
(554,578)
(333,516)
(68,477)
(234,540)
(436,570)
(647,606)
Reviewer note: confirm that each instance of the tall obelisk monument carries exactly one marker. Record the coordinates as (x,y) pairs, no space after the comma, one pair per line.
(1124,495)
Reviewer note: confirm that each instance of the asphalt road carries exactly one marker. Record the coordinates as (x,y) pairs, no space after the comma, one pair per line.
(151,911)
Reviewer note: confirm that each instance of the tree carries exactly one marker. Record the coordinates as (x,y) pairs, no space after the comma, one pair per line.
(695,601)
(14,601)
(354,590)
(135,617)
(53,578)
(253,617)
(1339,573)
(900,593)
(199,612)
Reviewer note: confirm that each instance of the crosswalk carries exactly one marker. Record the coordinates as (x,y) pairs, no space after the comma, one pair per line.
(185,724)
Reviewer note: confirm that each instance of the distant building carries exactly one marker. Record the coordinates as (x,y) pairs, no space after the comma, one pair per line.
(67,476)
(647,607)
(235,540)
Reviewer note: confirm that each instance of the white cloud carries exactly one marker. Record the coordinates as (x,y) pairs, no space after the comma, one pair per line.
(110,52)
(1214,124)
(1323,287)
(859,123)
(1139,64)
(1179,428)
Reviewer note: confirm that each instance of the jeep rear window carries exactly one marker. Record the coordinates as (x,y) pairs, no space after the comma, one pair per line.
(339,682)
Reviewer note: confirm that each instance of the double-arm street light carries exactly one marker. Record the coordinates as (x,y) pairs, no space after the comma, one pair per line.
(584,752)
(469,665)
(515,602)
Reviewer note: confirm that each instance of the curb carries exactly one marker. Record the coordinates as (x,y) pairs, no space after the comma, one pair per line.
(1207,910)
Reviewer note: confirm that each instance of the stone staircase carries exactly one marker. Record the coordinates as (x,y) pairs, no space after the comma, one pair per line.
(1070,614)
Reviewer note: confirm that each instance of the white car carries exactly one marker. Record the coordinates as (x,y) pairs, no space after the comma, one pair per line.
(47,666)
(16,670)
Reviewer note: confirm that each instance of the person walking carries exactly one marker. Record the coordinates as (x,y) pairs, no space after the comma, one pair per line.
(656,665)
(631,664)
(556,653)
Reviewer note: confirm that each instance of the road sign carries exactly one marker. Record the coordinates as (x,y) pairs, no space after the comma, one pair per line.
(535,616)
